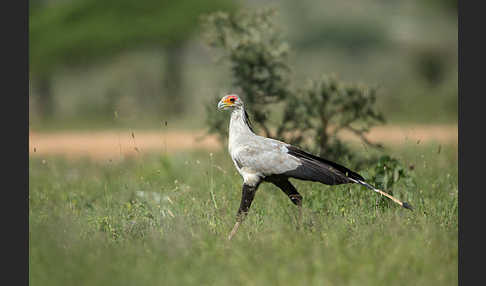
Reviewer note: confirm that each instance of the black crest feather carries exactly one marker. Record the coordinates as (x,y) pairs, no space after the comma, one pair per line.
(247,120)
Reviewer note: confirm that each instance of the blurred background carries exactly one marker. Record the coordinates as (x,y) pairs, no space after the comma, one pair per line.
(115,79)
(125,64)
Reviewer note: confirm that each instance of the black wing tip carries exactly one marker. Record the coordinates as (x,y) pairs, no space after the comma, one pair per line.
(299,153)
(407,206)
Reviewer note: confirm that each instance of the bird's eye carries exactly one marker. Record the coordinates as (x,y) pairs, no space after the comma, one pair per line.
(232,99)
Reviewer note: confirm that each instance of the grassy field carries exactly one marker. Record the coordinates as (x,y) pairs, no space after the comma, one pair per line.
(155,220)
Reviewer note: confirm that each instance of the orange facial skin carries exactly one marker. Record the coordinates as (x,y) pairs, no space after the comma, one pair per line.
(230,99)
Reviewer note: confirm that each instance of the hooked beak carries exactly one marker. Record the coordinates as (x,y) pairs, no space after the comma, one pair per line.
(222,105)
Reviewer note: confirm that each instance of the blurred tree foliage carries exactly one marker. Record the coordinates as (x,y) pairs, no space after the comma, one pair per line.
(448,5)
(258,60)
(80,32)
(323,109)
(252,44)
(431,65)
(351,36)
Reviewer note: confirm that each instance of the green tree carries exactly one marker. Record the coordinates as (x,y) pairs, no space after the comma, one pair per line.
(80,32)
(252,44)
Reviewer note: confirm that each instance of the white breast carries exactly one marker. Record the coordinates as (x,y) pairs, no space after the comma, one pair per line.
(255,156)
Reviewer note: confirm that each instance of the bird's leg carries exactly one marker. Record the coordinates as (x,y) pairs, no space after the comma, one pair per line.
(247,195)
(292,193)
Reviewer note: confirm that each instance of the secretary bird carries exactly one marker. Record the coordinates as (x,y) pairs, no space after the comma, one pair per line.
(259,159)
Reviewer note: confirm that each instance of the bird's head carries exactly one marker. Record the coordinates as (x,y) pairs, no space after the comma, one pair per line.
(230,101)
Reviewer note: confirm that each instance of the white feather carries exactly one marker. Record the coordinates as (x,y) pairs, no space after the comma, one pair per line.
(255,156)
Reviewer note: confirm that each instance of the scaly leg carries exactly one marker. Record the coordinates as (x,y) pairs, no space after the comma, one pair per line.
(247,195)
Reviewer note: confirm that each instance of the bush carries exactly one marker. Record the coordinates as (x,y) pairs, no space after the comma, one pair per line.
(386,173)
(252,44)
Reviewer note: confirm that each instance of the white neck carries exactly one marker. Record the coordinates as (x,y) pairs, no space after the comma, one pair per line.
(238,128)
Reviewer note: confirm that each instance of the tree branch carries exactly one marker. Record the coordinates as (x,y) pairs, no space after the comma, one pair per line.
(361,135)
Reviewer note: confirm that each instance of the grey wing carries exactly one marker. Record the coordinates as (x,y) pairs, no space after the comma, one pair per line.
(265,156)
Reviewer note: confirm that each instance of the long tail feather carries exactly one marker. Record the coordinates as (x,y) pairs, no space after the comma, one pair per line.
(403,204)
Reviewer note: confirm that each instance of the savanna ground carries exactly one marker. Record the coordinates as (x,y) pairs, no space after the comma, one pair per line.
(162,218)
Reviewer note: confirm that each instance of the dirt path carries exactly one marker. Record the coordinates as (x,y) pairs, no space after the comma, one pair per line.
(116,145)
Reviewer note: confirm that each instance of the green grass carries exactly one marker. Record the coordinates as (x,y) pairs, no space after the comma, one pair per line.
(160,220)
